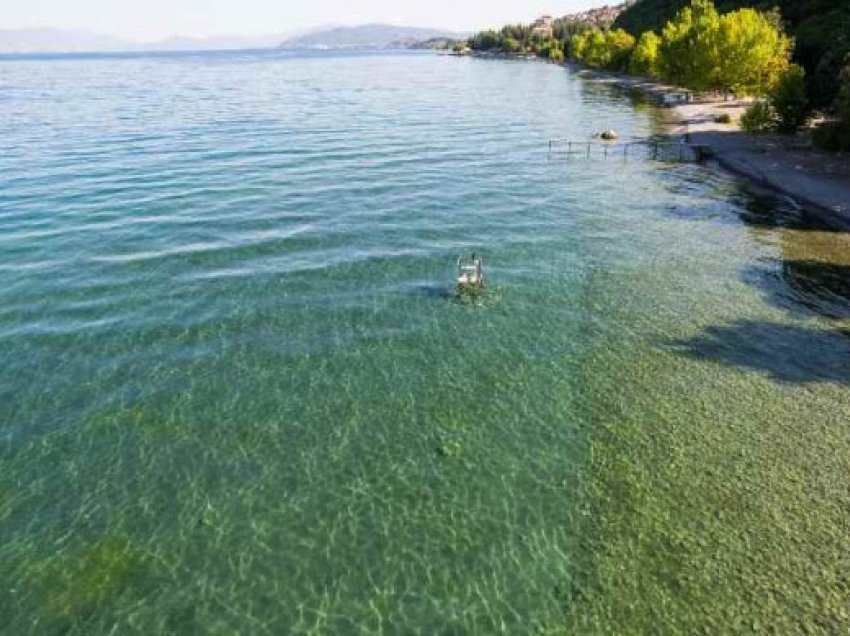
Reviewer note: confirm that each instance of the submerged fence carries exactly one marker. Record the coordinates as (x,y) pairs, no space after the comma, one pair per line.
(648,149)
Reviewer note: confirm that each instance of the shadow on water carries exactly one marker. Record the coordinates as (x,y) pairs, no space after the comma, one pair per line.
(789,353)
(487,297)
(756,206)
(804,287)
(810,274)
(766,209)
(431,290)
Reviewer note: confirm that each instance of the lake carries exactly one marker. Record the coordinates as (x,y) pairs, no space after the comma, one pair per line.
(238,393)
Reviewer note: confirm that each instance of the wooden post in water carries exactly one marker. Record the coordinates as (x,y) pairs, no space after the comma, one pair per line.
(588,150)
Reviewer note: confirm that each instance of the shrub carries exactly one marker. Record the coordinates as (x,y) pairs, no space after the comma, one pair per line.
(551,50)
(789,100)
(832,136)
(760,117)
(725,118)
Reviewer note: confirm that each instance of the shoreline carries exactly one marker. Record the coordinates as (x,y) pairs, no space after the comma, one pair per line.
(785,164)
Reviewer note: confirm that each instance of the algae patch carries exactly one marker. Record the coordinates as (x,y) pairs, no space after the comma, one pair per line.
(75,586)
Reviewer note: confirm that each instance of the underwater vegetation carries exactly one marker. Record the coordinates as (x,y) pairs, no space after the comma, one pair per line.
(67,591)
(712,517)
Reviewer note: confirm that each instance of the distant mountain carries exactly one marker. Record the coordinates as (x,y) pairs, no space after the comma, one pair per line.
(56,41)
(214,42)
(369,36)
(376,36)
(47,40)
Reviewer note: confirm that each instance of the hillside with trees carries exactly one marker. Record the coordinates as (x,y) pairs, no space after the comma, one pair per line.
(527,39)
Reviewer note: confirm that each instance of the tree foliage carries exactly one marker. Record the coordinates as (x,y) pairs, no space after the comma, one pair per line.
(821,31)
(511,45)
(744,51)
(646,55)
(602,49)
(689,53)
(551,50)
(753,50)
(485,41)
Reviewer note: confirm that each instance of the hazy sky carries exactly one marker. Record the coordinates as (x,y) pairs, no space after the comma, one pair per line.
(152,19)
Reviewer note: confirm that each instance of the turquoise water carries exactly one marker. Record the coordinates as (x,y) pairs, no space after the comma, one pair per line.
(238,395)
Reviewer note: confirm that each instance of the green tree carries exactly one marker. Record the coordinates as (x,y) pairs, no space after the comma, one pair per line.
(644,60)
(609,50)
(511,45)
(577,46)
(595,54)
(551,50)
(821,30)
(688,55)
(485,41)
(619,46)
(754,52)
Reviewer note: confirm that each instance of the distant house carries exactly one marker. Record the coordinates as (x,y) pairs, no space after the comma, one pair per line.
(542,27)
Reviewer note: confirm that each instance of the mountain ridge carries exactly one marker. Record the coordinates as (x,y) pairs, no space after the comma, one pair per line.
(368,36)
(49,40)
(37,40)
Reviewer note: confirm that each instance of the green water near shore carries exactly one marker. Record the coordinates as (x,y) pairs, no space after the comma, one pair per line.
(238,397)
(716,498)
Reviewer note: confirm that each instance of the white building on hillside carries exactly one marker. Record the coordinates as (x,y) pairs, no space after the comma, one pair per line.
(542,27)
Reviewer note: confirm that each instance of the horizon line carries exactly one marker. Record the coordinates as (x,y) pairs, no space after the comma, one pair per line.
(283,32)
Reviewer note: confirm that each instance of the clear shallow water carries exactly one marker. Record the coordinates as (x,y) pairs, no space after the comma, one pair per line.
(236,394)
